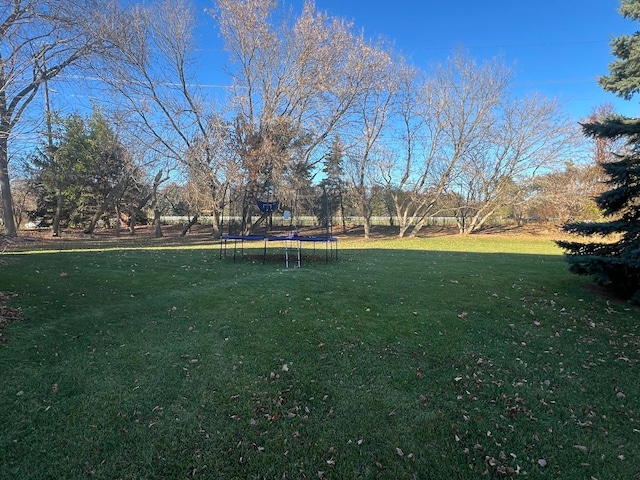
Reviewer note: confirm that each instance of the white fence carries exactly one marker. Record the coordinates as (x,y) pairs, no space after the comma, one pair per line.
(302,221)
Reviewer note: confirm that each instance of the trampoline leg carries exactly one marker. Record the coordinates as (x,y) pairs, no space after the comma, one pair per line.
(286,254)
(264,255)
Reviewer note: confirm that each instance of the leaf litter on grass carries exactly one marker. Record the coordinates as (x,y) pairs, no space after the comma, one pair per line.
(8,315)
(542,351)
(500,400)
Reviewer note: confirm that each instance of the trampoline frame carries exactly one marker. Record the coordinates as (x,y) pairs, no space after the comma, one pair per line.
(292,245)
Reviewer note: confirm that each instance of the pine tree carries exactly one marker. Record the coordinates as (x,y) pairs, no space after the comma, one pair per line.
(615,261)
(332,200)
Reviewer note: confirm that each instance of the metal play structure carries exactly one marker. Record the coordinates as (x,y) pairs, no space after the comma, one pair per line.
(277,233)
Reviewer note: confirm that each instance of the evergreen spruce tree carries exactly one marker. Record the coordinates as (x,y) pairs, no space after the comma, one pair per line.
(332,200)
(615,260)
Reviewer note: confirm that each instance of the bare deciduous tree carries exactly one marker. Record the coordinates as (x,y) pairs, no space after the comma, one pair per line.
(603,148)
(369,132)
(38,40)
(447,116)
(152,68)
(463,134)
(212,166)
(527,137)
(294,82)
(565,196)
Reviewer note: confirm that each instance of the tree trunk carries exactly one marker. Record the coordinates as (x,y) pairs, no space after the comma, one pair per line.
(157,224)
(108,201)
(5,189)
(191,223)
(154,205)
(462,219)
(344,221)
(102,208)
(418,226)
(366,223)
(118,220)
(55,227)
(403,230)
(217,228)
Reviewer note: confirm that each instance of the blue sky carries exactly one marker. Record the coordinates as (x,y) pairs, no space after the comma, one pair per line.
(556,47)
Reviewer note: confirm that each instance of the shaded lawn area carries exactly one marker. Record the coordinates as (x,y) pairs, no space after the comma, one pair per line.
(432,358)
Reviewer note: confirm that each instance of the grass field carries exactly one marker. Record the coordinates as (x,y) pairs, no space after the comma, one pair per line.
(438,358)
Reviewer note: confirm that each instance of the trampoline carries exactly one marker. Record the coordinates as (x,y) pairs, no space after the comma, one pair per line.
(296,246)
(293,245)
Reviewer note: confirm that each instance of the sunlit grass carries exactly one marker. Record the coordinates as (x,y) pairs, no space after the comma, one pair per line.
(453,243)
(445,357)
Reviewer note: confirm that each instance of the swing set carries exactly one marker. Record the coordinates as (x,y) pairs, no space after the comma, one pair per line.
(296,246)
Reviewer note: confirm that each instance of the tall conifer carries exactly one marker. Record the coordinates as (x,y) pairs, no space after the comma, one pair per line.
(615,259)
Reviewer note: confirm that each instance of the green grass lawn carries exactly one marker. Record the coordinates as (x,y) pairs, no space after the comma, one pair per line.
(438,358)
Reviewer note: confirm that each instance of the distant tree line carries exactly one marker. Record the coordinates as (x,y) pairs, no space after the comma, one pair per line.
(311,102)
